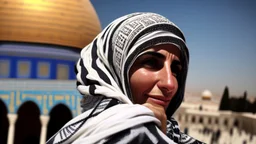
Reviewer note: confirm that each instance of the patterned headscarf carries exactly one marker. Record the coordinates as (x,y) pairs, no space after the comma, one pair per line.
(103,80)
(103,70)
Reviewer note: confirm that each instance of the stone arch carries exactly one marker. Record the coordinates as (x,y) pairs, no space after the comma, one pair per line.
(4,123)
(28,125)
(33,100)
(60,114)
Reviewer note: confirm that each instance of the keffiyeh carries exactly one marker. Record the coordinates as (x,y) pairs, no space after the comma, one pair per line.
(109,116)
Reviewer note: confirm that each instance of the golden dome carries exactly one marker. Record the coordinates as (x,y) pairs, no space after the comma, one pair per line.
(71,23)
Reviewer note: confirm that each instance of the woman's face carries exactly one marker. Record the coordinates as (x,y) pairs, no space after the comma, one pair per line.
(153,75)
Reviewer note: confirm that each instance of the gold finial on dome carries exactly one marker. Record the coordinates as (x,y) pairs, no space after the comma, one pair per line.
(71,23)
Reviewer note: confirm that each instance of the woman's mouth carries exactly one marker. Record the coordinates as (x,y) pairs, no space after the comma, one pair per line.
(159,101)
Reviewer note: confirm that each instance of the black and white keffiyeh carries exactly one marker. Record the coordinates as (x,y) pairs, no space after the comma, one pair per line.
(109,116)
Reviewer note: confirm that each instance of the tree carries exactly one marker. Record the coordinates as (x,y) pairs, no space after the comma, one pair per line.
(245,94)
(253,107)
(224,103)
(245,103)
(234,104)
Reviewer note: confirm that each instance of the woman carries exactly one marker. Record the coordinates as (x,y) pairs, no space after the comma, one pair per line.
(132,78)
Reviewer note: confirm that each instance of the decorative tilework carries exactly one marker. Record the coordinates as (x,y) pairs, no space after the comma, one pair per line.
(45,100)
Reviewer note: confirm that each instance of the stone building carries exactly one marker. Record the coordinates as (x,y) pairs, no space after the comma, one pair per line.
(40,41)
(200,118)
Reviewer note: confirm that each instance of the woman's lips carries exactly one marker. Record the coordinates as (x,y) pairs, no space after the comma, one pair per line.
(160,101)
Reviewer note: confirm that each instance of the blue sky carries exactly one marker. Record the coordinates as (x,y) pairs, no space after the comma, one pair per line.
(220,34)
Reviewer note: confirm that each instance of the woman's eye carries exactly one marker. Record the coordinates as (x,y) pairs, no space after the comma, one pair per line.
(176,69)
(151,63)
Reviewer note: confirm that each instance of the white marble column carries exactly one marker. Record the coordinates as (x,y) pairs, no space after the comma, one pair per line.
(44,121)
(12,119)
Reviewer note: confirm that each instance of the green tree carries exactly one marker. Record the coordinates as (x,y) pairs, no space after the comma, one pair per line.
(224,103)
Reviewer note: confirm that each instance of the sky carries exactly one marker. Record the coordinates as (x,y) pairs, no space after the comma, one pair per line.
(220,35)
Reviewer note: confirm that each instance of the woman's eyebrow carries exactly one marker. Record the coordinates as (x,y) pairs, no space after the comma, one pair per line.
(155,54)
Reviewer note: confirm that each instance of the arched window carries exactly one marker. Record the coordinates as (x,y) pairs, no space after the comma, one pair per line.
(179,117)
(4,68)
(193,119)
(28,125)
(4,124)
(200,107)
(62,71)
(200,120)
(216,121)
(43,70)
(226,122)
(209,120)
(24,69)
(59,116)
(236,123)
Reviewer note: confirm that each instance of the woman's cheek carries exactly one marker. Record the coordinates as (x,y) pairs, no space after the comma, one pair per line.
(141,84)
(146,78)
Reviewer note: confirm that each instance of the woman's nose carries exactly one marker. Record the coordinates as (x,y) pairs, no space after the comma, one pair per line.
(167,81)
